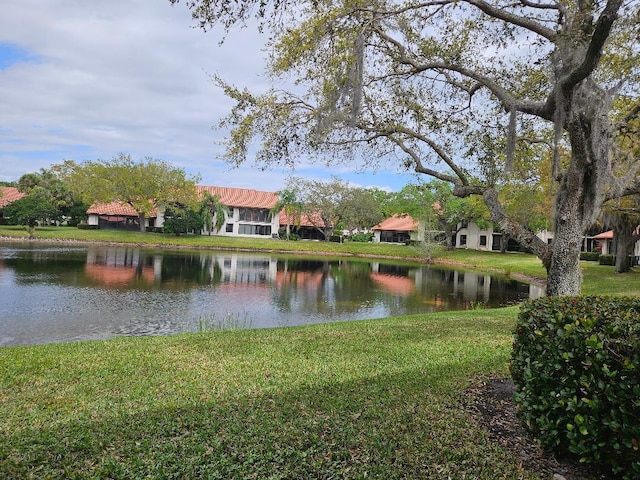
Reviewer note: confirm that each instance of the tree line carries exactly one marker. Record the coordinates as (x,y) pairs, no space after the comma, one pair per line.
(65,192)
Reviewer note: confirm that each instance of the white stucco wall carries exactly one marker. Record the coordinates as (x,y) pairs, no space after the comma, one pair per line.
(234,220)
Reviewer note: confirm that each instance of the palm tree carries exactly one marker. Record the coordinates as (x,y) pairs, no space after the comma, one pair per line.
(291,205)
(212,209)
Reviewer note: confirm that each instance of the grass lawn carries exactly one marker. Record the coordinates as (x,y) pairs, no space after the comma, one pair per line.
(372,399)
(367,399)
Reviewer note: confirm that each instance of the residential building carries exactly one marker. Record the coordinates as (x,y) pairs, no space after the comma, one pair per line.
(250,211)
(306,227)
(607,246)
(471,236)
(122,215)
(397,229)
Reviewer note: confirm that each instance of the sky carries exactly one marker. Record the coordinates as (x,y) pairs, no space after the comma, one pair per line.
(87,80)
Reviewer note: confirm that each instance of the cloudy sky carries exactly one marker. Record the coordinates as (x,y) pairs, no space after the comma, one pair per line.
(86,80)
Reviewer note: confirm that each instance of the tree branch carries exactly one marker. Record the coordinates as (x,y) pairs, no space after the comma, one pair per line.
(524,22)
(594,51)
(506,99)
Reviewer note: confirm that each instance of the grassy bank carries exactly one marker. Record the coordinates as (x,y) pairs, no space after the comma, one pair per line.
(369,399)
(214,242)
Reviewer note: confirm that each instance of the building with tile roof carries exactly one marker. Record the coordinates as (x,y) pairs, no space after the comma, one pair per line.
(249,213)
(396,229)
(121,215)
(608,247)
(306,227)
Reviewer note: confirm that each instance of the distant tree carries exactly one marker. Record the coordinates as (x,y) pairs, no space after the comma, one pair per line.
(435,206)
(361,209)
(29,211)
(288,202)
(623,216)
(182,219)
(51,184)
(322,203)
(144,185)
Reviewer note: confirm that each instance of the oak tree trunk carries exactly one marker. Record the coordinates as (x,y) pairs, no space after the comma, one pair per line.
(141,218)
(624,241)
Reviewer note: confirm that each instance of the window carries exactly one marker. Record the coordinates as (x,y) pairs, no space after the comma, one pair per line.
(245,229)
(483,240)
(253,215)
(394,237)
(463,239)
(229,228)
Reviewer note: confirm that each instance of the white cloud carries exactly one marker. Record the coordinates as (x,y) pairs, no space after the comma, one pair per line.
(102,77)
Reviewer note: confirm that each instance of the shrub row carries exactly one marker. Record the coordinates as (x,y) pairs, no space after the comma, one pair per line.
(84,226)
(607,259)
(590,256)
(576,366)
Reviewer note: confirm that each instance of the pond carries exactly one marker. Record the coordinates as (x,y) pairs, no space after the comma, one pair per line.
(52,293)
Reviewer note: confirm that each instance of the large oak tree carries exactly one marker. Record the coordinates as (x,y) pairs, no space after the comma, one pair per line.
(423,83)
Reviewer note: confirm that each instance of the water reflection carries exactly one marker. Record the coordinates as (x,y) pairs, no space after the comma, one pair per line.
(60,293)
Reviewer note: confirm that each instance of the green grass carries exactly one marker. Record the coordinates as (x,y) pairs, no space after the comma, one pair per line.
(368,399)
(372,399)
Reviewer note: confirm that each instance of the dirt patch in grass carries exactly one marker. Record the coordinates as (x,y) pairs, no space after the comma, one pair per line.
(491,405)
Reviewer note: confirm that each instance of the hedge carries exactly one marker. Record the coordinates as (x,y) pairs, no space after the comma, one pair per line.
(590,256)
(576,366)
(607,259)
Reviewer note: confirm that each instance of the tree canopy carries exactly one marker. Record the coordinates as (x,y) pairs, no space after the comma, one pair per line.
(31,209)
(144,185)
(51,186)
(440,87)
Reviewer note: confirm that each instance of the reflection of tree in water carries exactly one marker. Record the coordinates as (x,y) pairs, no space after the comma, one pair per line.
(186,269)
(47,265)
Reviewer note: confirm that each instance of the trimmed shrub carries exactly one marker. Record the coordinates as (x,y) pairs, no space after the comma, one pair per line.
(590,256)
(607,259)
(576,366)
(361,237)
(84,226)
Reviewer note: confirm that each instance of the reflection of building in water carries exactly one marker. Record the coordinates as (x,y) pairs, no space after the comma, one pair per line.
(395,285)
(118,265)
(476,286)
(247,269)
(437,284)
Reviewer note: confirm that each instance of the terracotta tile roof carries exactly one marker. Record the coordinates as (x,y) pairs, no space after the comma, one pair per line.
(9,195)
(313,220)
(231,197)
(398,223)
(242,197)
(608,235)
(117,209)
(604,235)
